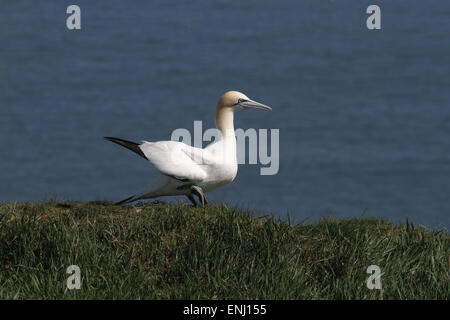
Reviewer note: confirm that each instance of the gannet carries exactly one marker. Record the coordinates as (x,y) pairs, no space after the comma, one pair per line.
(187,170)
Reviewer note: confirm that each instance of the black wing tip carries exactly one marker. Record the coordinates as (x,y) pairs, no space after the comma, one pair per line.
(118,140)
(114,139)
(133,146)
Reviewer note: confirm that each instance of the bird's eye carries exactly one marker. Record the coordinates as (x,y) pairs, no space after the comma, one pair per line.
(240,100)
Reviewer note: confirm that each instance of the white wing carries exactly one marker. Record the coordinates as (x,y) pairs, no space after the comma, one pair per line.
(175,159)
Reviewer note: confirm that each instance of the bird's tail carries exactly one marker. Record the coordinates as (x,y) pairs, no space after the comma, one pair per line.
(125,201)
(142,196)
(133,146)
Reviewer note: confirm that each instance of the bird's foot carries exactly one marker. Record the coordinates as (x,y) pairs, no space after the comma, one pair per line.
(192,199)
(200,194)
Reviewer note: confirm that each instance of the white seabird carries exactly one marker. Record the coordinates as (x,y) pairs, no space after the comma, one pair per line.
(186,170)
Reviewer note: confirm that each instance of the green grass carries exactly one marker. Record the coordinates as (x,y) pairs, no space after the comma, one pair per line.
(180,252)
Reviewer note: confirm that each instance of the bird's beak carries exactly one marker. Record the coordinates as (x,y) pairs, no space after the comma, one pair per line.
(255,105)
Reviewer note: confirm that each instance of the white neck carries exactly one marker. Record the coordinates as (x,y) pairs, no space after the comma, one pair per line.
(224,121)
(225,125)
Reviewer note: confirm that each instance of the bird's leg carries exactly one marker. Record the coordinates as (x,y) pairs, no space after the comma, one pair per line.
(191,198)
(199,193)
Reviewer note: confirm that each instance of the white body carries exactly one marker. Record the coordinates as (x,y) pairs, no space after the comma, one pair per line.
(180,164)
(185,168)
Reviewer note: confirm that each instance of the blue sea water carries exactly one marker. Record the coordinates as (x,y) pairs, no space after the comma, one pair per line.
(364,115)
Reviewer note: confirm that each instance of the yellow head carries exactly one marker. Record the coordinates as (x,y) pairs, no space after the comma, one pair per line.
(238,101)
(230,102)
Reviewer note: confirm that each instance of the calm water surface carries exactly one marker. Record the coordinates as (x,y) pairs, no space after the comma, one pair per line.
(364,116)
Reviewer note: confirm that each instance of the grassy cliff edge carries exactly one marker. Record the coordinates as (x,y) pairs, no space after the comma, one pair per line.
(161,251)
